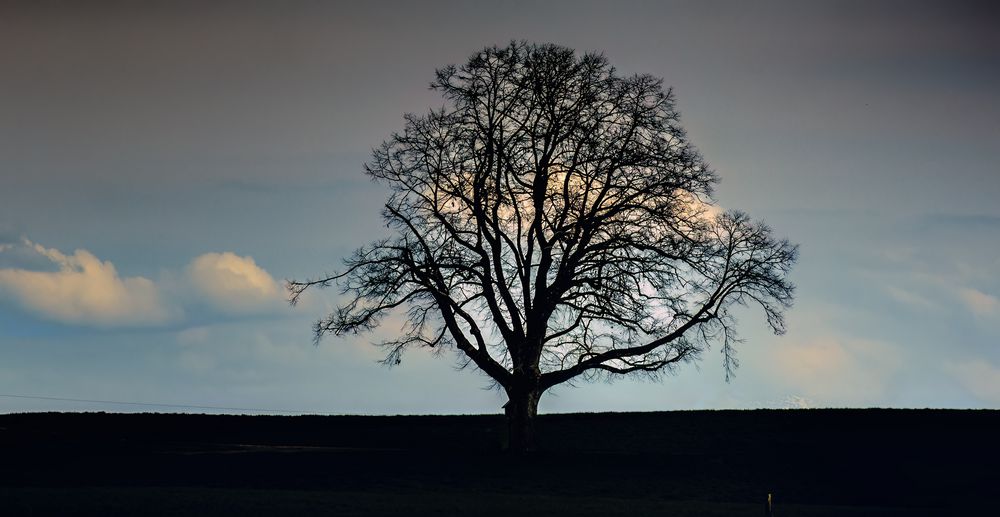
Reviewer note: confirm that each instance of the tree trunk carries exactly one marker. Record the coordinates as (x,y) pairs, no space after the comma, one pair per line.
(521,410)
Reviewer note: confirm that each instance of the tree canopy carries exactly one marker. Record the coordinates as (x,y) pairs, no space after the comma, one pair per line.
(552,222)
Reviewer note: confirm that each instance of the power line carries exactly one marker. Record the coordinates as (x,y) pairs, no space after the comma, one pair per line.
(152,404)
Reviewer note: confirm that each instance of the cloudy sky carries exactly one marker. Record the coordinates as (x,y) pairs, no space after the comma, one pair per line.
(165,166)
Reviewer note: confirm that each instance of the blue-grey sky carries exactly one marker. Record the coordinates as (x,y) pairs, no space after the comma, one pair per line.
(165,165)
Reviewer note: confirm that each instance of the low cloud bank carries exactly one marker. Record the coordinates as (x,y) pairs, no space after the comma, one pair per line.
(81,289)
(84,290)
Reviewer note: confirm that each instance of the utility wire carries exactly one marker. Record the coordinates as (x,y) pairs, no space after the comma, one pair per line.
(152,404)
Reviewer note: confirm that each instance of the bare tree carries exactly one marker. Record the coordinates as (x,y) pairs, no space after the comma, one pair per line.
(553,223)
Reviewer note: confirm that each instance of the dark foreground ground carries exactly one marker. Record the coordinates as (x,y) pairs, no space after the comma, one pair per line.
(715,463)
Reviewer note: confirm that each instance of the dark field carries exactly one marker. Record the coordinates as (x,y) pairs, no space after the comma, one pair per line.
(815,462)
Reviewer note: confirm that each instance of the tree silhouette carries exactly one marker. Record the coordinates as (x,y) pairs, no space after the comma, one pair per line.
(553,223)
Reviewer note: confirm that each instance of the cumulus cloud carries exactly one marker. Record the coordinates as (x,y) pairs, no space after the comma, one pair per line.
(84,290)
(234,284)
(81,289)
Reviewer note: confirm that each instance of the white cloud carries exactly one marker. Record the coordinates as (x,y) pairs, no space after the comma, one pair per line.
(910,298)
(81,289)
(786,402)
(835,371)
(84,290)
(797,402)
(981,378)
(931,282)
(980,303)
(234,284)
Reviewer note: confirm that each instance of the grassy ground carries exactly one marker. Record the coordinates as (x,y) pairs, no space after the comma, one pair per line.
(161,501)
(815,462)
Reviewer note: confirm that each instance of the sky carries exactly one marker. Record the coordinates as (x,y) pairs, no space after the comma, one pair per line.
(165,166)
